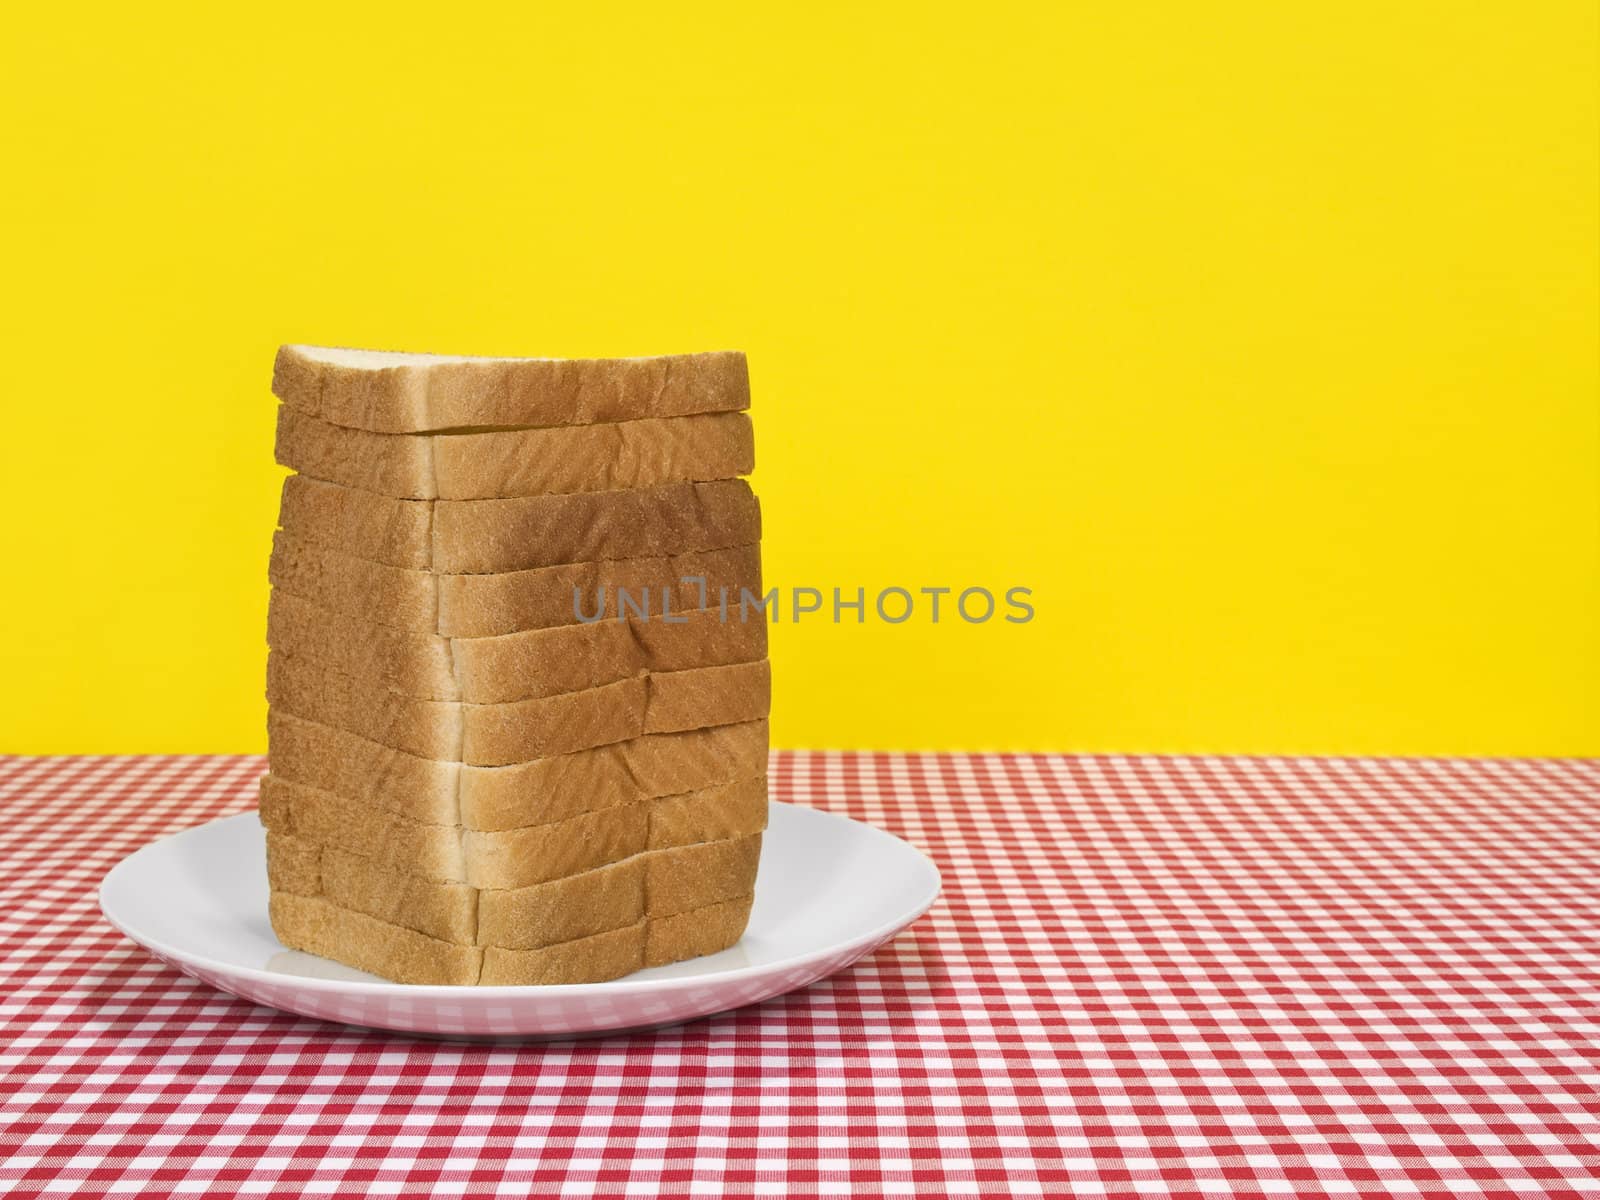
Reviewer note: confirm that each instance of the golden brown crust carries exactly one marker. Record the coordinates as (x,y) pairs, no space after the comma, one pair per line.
(701,931)
(710,814)
(472,536)
(336,760)
(317,926)
(615,828)
(397,533)
(424,849)
(593,959)
(505,602)
(518,462)
(661,883)
(515,858)
(680,700)
(656,883)
(578,906)
(679,880)
(523,532)
(294,864)
(531,793)
(433,394)
(414,664)
(508,601)
(529,665)
(359,587)
(523,730)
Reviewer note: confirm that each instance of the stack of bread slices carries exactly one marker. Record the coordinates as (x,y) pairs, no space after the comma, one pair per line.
(516,735)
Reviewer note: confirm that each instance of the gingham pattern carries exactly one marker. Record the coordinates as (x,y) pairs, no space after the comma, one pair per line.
(1146,976)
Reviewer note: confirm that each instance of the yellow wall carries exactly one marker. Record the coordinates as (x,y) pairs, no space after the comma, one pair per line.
(1259,339)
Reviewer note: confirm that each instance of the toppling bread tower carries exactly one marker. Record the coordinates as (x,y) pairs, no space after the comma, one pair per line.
(473,779)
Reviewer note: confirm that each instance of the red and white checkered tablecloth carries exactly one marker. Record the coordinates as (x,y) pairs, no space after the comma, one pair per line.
(1191,976)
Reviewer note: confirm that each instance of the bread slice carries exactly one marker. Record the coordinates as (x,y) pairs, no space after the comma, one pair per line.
(517,666)
(652,883)
(513,858)
(672,939)
(470,536)
(694,699)
(317,926)
(500,734)
(416,393)
(448,911)
(518,462)
(536,792)
(399,597)
(511,601)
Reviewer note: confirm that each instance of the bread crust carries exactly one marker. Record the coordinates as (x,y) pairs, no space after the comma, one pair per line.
(518,462)
(518,533)
(501,734)
(624,891)
(517,666)
(512,858)
(422,393)
(535,792)
(319,927)
(488,605)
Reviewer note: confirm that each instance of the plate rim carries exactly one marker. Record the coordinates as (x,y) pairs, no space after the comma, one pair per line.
(388,989)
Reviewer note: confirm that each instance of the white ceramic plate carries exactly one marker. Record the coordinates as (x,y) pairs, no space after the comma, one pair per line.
(829,890)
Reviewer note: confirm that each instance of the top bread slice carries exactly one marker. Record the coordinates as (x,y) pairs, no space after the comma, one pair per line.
(418,393)
(519,462)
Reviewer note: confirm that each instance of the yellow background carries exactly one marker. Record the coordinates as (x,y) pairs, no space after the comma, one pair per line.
(1258,339)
